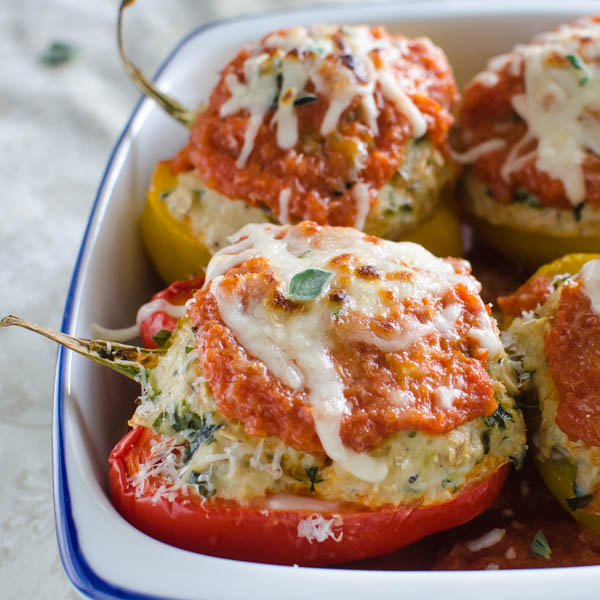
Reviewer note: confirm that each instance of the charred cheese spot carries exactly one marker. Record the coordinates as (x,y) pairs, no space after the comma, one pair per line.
(369,272)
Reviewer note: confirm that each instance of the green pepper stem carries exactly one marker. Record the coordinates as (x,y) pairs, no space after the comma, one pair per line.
(171,106)
(130,361)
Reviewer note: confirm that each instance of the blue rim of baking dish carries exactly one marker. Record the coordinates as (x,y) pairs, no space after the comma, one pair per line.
(77,569)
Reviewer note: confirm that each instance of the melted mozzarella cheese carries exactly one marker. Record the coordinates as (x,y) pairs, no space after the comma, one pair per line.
(157,305)
(296,350)
(255,95)
(560,104)
(309,55)
(590,274)
(360,191)
(284,198)
(127,333)
(472,154)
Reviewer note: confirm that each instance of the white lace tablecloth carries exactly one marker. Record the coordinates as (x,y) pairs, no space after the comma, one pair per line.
(57,127)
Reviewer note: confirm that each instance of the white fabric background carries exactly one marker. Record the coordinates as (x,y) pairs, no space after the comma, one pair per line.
(57,127)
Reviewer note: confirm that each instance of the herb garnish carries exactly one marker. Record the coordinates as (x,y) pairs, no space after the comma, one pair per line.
(540,546)
(204,434)
(518,461)
(580,498)
(580,66)
(485,440)
(558,280)
(313,476)
(158,421)
(279,82)
(575,61)
(308,284)
(498,418)
(577,211)
(524,196)
(162,337)
(577,502)
(203,483)
(58,53)
(305,99)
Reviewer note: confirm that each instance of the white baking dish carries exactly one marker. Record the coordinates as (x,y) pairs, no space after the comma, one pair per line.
(103,555)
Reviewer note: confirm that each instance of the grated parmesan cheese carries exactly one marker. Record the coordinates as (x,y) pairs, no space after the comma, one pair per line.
(489,539)
(317,528)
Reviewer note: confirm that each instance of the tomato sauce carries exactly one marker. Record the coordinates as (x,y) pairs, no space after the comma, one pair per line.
(529,296)
(487,113)
(244,389)
(320,173)
(524,507)
(572,347)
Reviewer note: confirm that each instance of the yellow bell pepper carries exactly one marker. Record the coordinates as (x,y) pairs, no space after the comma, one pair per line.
(530,247)
(178,253)
(559,476)
(441,232)
(173,248)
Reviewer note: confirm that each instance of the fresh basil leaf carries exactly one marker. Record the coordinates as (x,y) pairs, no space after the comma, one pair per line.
(540,546)
(162,337)
(577,211)
(308,284)
(58,53)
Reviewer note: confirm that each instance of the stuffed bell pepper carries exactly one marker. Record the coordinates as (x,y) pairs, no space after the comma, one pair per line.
(339,125)
(553,336)
(528,129)
(327,396)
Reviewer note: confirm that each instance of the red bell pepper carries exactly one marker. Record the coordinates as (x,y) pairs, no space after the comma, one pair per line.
(254,533)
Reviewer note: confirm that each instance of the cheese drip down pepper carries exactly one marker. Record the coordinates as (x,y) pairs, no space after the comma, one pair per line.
(227,431)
